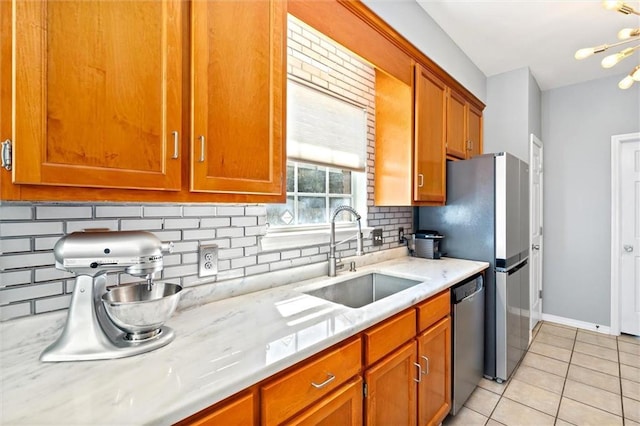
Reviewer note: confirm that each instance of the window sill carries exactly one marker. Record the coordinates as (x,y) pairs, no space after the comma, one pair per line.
(275,241)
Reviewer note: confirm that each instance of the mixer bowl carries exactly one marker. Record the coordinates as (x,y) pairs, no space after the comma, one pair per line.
(140,309)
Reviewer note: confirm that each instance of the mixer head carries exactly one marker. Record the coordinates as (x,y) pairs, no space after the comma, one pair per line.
(92,252)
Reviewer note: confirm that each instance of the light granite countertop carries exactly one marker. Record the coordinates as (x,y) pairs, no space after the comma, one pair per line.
(221,348)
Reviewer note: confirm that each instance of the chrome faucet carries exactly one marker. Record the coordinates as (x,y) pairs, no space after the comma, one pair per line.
(332,241)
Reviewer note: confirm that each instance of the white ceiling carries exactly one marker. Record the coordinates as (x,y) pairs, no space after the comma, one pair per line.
(504,35)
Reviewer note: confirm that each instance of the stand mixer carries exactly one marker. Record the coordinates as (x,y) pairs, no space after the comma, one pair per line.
(116,322)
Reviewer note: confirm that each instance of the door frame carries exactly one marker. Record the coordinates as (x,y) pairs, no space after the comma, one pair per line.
(616,148)
(533,139)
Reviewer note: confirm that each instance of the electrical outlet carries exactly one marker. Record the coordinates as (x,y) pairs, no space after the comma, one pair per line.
(401,235)
(207,260)
(377,236)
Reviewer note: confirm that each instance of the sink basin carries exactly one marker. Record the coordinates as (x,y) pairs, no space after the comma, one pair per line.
(363,290)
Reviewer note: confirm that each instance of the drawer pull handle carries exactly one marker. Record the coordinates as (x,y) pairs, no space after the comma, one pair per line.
(420,180)
(426,364)
(325,383)
(419,379)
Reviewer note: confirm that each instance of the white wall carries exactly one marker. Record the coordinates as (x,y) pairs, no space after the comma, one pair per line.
(415,24)
(578,122)
(506,117)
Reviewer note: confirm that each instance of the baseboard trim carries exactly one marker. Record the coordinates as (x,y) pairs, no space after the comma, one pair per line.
(576,323)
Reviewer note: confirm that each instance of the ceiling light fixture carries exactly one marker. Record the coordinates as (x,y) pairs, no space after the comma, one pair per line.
(626,35)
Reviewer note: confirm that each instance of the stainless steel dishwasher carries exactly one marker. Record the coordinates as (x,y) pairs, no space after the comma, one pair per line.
(467,305)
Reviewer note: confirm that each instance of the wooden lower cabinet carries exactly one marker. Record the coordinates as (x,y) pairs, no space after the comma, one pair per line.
(342,407)
(238,411)
(434,389)
(391,389)
(405,362)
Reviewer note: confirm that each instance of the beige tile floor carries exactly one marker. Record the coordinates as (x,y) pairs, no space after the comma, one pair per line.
(567,377)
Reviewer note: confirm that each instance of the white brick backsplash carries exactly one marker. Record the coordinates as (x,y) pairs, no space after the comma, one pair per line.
(243,261)
(50,274)
(216,222)
(12,261)
(45,243)
(15,245)
(162,211)
(181,223)
(199,211)
(230,253)
(268,258)
(243,242)
(118,211)
(256,269)
(140,224)
(230,232)
(33,285)
(15,277)
(290,254)
(179,271)
(230,211)
(244,221)
(15,310)
(53,304)
(8,212)
(64,212)
(255,211)
(20,293)
(92,224)
(184,247)
(199,234)
(18,229)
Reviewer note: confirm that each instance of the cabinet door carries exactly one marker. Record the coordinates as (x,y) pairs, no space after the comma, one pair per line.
(429,133)
(474,131)
(238,83)
(456,122)
(97,90)
(237,412)
(392,389)
(434,354)
(343,407)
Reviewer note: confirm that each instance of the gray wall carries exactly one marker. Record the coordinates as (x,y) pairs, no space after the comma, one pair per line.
(415,24)
(506,118)
(578,122)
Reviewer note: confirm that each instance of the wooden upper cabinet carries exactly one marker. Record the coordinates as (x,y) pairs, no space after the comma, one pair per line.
(474,131)
(456,122)
(97,93)
(238,86)
(429,183)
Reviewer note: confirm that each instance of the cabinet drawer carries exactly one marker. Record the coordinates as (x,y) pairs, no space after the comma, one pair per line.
(384,338)
(433,309)
(307,383)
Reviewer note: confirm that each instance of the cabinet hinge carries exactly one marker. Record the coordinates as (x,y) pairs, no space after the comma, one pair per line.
(6,154)
(539,294)
(541,230)
(365,389)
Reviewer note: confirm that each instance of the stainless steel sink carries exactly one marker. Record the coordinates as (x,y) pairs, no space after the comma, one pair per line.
(363,290)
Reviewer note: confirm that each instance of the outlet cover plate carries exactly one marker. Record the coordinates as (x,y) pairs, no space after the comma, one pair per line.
(207,260)
(377,236)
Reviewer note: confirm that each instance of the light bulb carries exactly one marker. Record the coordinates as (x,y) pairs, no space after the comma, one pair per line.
(612,4)
(626,33)
(626,82)
(584,53)
(611,60)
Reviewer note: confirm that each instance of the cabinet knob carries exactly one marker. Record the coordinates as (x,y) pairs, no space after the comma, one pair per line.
(628,248)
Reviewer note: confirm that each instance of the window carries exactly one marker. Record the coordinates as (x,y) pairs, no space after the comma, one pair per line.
(313,192)
(326,149)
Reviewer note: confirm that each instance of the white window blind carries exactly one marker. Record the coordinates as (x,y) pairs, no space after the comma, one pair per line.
(324,129)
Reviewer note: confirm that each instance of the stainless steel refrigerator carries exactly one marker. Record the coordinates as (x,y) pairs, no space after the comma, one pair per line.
(487,218)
